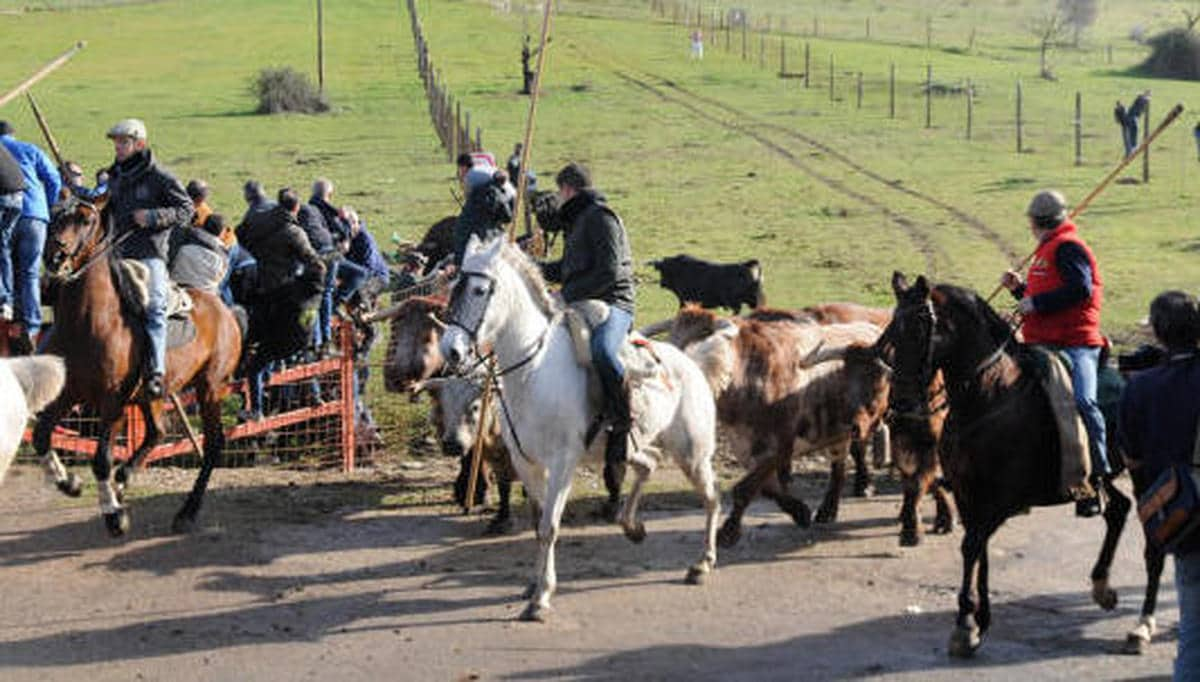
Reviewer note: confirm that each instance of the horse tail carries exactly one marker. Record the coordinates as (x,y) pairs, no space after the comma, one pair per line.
(41,378)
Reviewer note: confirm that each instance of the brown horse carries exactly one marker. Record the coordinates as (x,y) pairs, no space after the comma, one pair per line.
(1000,446)
(103,350)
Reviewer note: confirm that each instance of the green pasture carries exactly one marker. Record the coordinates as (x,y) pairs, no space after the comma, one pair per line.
(681,147)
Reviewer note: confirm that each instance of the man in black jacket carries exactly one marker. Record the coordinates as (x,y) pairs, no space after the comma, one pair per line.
(12,197)
(597,264)
(146,202)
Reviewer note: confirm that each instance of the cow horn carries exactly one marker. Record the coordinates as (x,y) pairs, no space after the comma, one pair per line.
(822,354)
(380,315)
(437,323)
(656,328)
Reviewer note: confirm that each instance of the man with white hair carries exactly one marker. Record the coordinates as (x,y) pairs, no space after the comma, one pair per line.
(146,202)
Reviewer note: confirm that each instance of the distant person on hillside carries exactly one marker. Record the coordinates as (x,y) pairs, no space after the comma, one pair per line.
(1196,134)
(697,44)
(1127,118)
(527,53)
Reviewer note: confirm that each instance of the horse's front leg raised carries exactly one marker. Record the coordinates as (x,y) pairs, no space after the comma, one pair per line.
(643,466)
(557,490)
(67,483)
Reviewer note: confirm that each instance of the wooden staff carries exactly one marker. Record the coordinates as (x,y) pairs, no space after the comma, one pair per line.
(522,188)
(1079,208)
(187,426)
(42,73)
(41,121)
(527,143)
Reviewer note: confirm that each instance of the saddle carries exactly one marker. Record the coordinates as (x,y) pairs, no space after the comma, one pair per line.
(133,285)
(1076,464)
(637,355)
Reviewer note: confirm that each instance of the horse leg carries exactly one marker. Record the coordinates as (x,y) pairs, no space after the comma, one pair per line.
(965,638)
(910,522)
(828,511)
(881,446)
(68,483)
(558,489)
(152,415)
(633,528)
(943,523)
(1114,520)
(862,475)
(700,472)
(116,516)
(614,475)
(214,442)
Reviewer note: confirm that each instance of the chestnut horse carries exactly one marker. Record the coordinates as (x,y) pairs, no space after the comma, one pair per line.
(1000,447)
(103,346)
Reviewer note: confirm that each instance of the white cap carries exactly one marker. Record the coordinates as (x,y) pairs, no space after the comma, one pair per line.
(130,127)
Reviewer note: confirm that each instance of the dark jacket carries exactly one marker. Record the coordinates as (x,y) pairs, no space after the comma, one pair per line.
(313,223)
(282,250)
(136,183)
(484,214)
(11,179)
(333,221)
(596,262)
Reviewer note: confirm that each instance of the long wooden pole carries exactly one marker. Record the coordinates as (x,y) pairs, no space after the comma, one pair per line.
(527,142)
(485,413)
(1079,208)
(42,73)
(41,121)
(321,46)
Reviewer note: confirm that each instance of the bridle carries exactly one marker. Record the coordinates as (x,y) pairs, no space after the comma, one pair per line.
(88,247)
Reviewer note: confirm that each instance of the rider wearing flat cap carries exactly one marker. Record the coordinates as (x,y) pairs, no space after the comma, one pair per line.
(1061,301)
(146,203)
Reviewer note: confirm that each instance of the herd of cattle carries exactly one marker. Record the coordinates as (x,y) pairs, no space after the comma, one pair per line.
(783,382)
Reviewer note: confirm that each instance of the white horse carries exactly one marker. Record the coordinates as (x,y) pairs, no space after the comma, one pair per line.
(27,384)
(500,302)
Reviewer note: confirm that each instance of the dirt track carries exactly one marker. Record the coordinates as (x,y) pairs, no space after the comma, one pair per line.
(334,580)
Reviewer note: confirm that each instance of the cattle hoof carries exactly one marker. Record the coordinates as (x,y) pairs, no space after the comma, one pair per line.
(826,514)
(964,641)
(697,575)
(729,535)
(72,486)
(183,524)
(1104,596)
(909,537)
(117,523)
(535,613)
(636,534)
(499,526)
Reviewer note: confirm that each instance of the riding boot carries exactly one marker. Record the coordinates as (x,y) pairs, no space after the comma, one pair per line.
(616,450)
(23,343)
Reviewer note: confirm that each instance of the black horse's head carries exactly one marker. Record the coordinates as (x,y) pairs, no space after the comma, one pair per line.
(938,327)
(76,230)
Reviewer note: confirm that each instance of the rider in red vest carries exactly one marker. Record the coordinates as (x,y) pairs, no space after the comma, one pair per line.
(1060,301)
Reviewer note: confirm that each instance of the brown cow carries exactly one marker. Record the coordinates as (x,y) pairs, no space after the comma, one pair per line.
(769,396)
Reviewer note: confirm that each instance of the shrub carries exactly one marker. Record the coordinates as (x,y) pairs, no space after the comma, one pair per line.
(1173,54)
(287,90)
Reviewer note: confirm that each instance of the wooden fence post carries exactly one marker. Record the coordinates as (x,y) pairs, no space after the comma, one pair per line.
(782,56)
(320,47)
(892,91)
(830,76)
(858,99)
(1078,128)
(868,28)
(744,41)
(762,50)
(929,31)
(806,64)
(1020,147)
(970,107)
(929,95)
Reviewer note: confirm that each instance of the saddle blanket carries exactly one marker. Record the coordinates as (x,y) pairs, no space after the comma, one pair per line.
(133,282)
(1072,436)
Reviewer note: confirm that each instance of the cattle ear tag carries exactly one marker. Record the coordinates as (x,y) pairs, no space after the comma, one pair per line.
(641,343)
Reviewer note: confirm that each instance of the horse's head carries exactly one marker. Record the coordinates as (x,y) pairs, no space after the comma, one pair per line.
(75,230)
(472,318)
(912,337)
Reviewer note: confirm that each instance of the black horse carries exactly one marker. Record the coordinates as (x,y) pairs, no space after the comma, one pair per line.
(1000,448)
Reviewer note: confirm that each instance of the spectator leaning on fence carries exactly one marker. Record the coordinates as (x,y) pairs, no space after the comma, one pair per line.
(12,198)
(42,184)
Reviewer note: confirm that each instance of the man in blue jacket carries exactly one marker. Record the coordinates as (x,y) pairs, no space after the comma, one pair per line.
(42,183)
(12,198)
(1159,412)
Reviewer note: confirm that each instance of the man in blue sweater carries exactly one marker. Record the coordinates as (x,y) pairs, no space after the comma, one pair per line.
(42,184)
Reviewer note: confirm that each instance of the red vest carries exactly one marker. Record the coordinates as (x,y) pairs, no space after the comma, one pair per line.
(1078,325)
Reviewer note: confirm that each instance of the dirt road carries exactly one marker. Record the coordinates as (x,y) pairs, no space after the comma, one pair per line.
(307,576)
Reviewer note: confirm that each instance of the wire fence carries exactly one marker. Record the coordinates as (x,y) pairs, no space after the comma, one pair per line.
(450,121)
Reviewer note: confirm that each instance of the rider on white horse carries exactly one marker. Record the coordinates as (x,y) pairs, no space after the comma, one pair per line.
(597,264)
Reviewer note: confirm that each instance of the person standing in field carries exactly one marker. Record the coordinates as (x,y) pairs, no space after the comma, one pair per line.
(697,44)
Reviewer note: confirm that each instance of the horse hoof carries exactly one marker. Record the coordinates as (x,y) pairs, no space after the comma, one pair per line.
(864,490)
(1104,596)
(636,534)
(963,642)
(529,591)
(498,526)
(117,523)
(183,524)
(123,475)
(909,538)
(72,486)
(942,527)
(826,515)
(535,613)
(697,575)
(729,535)
(1135,645)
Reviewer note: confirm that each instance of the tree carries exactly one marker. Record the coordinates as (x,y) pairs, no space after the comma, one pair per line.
(1049,27)
(1079,15)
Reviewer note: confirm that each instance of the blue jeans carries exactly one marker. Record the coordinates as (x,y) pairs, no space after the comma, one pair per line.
(239,258)
(1187,594)
(10,212)
(607,340)
(156,316)
(342,279)
(1085,361)
(29,239)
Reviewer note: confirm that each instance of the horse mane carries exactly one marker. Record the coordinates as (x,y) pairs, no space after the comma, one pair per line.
(531,275)
(1000,332)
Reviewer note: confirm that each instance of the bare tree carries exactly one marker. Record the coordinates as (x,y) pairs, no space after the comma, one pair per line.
(1192,16)
(1050,28)
(1079,15)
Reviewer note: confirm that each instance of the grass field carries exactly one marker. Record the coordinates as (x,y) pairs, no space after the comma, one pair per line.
(719,158)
